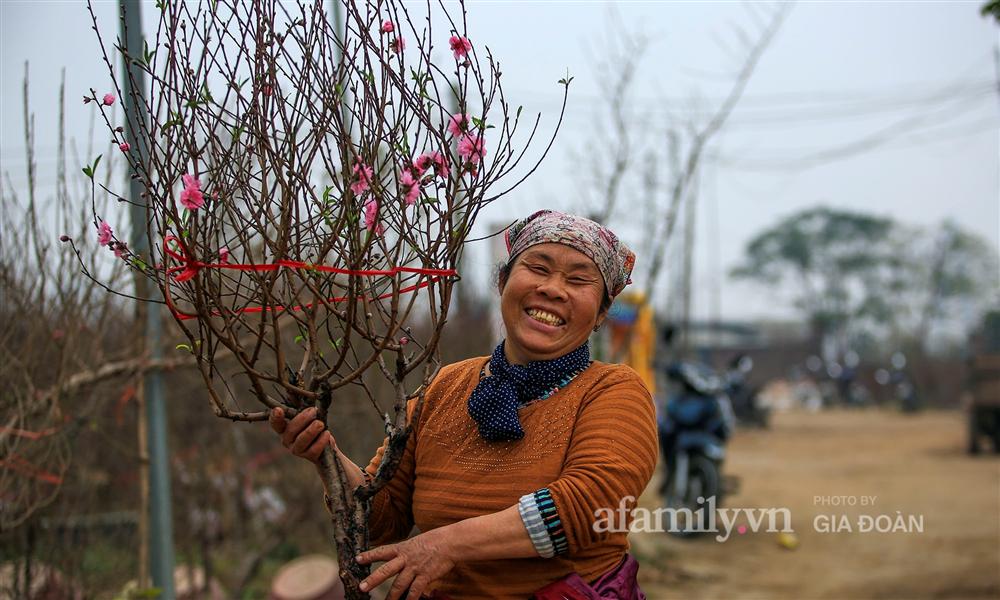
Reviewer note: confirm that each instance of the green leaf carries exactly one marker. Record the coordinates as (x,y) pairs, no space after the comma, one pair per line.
(97,160)
(299,339)
(518,115)
(147,55)
(326,194)
(88,172)
(183,347)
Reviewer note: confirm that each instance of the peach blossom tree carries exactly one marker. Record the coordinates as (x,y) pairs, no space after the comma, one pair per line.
(310,186)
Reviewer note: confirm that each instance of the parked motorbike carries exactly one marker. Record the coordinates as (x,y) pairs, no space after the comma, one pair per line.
(898,380)
(745,398)
(694,429)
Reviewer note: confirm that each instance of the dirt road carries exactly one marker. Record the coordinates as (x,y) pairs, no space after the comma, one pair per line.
(915,465)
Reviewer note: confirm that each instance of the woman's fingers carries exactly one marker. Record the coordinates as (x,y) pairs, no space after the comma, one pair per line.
(322,441)
(277,420)
(401,584)
(297,426)
(384,572)
(304,440)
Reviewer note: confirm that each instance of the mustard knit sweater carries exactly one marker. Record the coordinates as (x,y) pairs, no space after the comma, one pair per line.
(592,443)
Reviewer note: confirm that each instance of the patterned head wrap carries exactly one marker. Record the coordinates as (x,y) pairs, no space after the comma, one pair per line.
(613,258)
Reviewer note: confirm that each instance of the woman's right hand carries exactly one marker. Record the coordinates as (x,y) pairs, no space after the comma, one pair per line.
(305,435)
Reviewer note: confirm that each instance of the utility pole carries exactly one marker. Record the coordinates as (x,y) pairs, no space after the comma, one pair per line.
(160,520)
(687,256)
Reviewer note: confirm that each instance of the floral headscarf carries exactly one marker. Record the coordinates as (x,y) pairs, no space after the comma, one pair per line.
(613,258)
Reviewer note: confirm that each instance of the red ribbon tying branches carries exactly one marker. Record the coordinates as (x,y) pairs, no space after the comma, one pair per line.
(17,463)
(190,267)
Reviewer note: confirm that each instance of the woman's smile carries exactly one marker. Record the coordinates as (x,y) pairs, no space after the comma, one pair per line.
(545,317)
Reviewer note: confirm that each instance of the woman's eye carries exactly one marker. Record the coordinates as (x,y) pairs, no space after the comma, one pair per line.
(537,268)
(579,281)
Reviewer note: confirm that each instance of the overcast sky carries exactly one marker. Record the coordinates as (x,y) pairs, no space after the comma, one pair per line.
(895,101)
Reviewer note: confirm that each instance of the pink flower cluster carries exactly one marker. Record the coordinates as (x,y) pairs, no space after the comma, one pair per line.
(460,45)
(104,233)
(398,44)
(432,159)
(371,217)
(471,146)
(410,186)
(362,178)
(105,237)
(411,178)
(191,196)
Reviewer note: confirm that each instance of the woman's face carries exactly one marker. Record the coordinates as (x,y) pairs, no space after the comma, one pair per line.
(550,302)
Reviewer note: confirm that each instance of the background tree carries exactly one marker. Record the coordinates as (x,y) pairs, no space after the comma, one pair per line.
(830,258)
(855,274)
(665,158)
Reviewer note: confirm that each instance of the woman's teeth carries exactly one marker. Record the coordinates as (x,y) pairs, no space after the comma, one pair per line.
(545,317)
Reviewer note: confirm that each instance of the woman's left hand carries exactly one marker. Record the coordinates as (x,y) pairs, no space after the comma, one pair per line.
(416,563)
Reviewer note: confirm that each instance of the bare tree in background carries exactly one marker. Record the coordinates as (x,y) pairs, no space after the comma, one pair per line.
(296,176)
(60,336)
(671,162)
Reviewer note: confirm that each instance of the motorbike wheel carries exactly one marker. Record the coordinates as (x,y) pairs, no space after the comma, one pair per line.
(705,481)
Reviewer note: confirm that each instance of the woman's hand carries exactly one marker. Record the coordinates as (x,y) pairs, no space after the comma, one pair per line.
(305,435)
(416,563)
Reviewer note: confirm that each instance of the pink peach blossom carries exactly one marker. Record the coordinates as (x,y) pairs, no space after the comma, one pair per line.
(109,99)
(191,196)
(410,186)
(362,178)
(104,233)
(120,249)
(387,26)
(472,148)
(124,147)
(458,124)
(460,46)
(371,217)
(435,158)
(224,255)
(398,45)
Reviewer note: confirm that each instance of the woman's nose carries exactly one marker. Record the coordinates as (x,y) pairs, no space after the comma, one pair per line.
(553,287)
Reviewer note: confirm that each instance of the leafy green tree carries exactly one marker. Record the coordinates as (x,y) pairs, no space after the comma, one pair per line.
(864,276)
(832,258)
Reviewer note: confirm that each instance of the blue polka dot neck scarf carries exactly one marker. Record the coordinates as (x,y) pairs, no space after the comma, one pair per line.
(494,402)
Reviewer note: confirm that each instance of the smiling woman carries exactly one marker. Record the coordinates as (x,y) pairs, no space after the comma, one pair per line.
(512,457)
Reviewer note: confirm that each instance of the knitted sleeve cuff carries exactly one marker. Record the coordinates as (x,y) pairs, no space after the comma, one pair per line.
(535,525)
(541,506)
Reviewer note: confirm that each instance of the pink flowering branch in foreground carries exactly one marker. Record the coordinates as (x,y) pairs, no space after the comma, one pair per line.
(310,190)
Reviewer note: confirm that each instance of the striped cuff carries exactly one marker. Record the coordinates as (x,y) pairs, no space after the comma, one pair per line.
(553,524)
(533,522)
